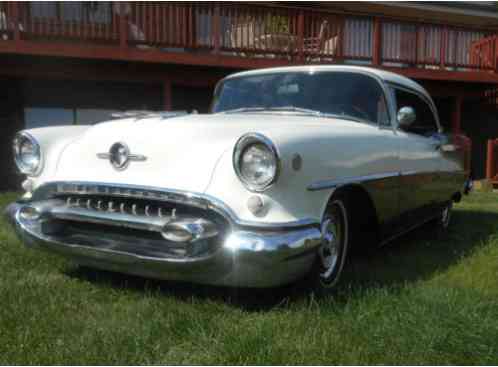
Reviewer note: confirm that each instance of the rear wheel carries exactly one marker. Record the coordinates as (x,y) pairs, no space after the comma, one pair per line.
(335,228)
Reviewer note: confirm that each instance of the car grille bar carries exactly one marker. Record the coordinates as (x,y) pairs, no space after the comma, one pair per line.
(131,192)
(113,213)
(120,206)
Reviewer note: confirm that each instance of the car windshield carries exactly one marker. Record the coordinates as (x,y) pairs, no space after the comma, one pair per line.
(349,95)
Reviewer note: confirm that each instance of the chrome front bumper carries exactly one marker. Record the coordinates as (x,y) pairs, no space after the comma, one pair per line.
(245,257)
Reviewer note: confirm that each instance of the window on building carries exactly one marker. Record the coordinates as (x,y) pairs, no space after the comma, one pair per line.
(89,116)
(73,11)
(41,117)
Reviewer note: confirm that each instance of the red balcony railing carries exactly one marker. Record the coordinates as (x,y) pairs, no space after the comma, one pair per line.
(249,30)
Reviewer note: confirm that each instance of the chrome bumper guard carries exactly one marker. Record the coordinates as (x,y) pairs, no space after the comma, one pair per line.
(166,245)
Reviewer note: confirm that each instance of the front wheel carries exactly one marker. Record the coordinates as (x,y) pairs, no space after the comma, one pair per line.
(335,229)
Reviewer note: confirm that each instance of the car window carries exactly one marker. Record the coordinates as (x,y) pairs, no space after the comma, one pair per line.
(345,94)
(425,121)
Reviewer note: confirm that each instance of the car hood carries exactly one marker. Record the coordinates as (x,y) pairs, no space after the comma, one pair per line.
(182,152)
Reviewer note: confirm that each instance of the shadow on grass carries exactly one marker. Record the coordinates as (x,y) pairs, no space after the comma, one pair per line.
(412,257)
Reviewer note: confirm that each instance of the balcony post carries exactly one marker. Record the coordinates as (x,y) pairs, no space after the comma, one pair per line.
(15,21)
(123,25)
(300,36)
(377,42)
(216,28)
(444,38)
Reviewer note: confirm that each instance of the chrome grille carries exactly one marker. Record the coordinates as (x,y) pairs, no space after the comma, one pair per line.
(134,225)
(122,206)
(131,192)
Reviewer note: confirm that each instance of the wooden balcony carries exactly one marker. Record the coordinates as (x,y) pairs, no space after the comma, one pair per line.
(245,35)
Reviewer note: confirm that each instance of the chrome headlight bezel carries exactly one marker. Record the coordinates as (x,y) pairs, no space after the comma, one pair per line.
(21,166)
(244,142)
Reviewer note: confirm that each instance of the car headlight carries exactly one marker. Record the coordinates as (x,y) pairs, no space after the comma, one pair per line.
(256,161)
(27,154)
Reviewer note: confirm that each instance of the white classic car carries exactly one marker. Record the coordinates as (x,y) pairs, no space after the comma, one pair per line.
(291,168)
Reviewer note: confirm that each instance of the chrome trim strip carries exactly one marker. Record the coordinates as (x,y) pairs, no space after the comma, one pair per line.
(333,183)
(202,201)
(386,241)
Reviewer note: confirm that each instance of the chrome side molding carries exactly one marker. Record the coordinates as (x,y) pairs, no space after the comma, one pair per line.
(333,183)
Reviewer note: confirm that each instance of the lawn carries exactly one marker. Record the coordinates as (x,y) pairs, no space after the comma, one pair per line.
(429,298)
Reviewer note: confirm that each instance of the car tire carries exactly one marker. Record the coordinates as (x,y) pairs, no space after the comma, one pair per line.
(332,253)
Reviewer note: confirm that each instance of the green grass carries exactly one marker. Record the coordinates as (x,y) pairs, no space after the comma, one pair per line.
(428,298)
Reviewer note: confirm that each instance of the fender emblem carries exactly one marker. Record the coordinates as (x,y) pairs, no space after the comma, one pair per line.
(119,156)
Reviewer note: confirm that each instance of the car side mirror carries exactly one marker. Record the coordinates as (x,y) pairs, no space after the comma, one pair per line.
(406,116)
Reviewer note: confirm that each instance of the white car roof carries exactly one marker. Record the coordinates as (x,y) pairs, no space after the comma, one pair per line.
(381,74)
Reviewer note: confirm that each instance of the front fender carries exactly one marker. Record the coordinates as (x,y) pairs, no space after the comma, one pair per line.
(53,141)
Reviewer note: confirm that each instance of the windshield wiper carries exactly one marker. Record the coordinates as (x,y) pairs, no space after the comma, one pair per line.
(283,108)
(316,113)
(295,109)
(246,109)
(341,116)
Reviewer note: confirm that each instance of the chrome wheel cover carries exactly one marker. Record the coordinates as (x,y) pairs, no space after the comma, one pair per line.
(446,216)
(330,247)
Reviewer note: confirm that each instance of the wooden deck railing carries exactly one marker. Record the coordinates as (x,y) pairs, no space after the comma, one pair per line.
(245,30)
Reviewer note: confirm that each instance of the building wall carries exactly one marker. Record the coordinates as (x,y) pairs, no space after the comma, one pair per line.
(59,102)
(11,120)
(479,123)
(189,98)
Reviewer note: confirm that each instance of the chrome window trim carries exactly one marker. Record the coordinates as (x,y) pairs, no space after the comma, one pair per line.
(199,200)
(429,101)
(244,141)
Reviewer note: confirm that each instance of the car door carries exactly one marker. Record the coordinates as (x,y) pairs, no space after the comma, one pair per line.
(419,156)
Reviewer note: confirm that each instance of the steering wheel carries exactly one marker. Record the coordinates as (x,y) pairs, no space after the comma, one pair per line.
(348,109)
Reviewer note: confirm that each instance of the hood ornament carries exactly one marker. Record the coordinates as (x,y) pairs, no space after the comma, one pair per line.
(119,156)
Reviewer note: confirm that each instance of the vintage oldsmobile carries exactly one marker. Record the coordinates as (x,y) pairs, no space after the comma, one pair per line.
(290,169)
